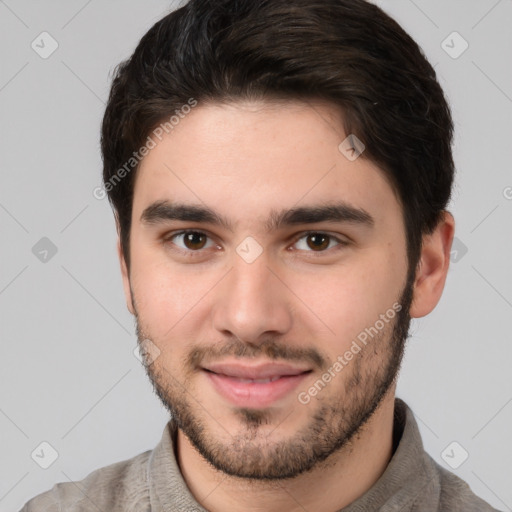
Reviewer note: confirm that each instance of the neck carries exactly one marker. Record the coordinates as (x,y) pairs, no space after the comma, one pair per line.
(340,480)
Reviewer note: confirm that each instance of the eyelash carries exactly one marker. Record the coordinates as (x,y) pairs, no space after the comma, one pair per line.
(191,253)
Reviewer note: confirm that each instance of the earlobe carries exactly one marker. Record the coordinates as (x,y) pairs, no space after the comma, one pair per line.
(126,278)
(433,267)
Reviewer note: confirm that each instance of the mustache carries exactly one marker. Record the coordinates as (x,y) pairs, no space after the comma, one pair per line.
(239,349)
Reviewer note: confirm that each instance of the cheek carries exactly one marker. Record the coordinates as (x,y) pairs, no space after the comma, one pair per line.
(169,304)
(339,304)
(166,295)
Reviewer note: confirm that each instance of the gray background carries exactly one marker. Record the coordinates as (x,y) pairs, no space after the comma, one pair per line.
(68,374)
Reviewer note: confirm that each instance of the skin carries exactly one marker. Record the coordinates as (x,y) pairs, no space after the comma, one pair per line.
(244,160)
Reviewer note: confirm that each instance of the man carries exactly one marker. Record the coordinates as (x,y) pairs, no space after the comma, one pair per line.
(279,172)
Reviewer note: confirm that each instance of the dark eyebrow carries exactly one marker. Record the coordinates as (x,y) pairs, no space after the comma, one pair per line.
(337,212)
(162,211)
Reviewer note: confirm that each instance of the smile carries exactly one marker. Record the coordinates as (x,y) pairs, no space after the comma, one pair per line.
(254,386)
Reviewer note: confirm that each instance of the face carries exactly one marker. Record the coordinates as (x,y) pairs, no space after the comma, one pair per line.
(269,280)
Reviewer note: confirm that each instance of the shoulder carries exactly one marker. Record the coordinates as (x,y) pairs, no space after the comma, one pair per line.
(121,486)
(455,495)
(433,487)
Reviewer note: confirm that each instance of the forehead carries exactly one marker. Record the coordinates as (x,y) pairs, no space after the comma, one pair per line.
(246,159)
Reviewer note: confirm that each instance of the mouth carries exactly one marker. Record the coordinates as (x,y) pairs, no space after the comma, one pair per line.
(254,386)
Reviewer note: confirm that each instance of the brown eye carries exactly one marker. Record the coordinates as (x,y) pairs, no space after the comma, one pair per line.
(189,241)
(318,241)
(194,240)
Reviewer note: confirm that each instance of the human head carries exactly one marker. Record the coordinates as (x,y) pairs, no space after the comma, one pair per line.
(357,73)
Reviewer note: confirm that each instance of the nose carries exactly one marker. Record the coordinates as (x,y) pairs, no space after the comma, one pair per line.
(252,302)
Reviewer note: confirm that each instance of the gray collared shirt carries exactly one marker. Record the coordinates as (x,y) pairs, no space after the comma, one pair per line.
(152,482)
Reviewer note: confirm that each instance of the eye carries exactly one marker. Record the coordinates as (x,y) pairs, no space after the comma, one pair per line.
(191,241)
(318,242)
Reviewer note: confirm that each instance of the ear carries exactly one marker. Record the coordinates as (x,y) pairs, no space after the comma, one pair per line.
(125,275)
(433,267)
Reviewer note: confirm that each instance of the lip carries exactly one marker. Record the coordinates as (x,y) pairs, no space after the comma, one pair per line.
(255,371)
(242,384)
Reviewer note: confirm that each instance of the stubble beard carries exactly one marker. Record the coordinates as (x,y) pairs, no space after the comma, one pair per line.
(333,424)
